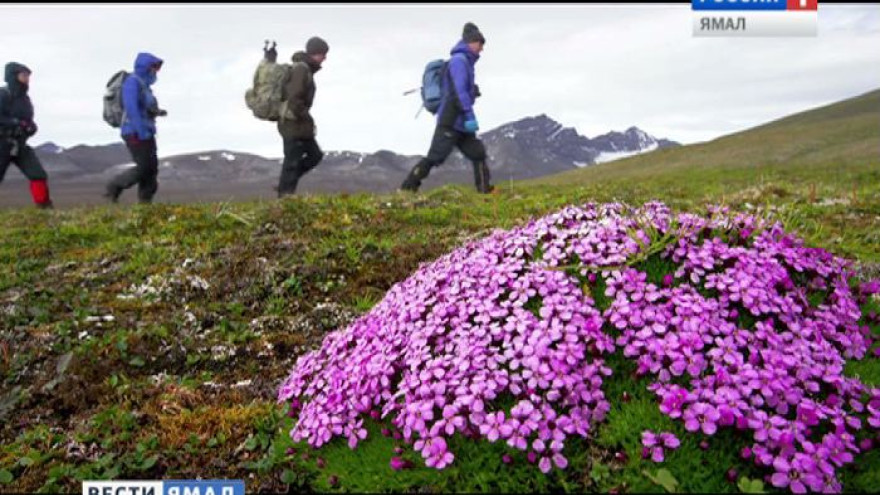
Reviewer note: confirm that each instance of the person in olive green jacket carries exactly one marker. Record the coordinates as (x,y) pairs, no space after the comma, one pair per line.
(296,126)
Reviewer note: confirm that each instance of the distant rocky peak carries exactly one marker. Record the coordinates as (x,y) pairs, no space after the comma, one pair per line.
(50,147)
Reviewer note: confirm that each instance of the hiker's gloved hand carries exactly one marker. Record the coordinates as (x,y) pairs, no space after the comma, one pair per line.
(30,128)
(156,112)
(20,130)
(477,93)
(471,125)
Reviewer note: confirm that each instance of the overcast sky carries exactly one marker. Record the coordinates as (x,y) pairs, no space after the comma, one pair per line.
(594,67)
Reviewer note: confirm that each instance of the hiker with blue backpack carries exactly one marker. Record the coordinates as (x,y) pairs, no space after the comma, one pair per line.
(16,127)
(131,106)
(449,90)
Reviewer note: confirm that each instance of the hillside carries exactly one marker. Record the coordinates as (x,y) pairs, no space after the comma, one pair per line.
(150,341)
(839,142)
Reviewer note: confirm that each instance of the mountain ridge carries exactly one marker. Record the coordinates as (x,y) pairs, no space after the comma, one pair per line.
(527,148)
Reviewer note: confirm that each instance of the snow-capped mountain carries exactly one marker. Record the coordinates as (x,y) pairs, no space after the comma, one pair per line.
(633,141)
(545,141)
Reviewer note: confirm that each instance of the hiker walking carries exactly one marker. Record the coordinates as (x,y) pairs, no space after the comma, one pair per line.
(16,127)
(296,126)
(456,122)
(138,129)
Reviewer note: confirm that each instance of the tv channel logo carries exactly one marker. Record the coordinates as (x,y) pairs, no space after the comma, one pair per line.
(755,18)
(167,487)
(760,5)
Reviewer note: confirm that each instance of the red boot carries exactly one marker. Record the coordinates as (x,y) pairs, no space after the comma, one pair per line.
(40,193)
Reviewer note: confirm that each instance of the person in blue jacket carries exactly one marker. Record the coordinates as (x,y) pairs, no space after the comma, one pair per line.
(138,130)
(456,122)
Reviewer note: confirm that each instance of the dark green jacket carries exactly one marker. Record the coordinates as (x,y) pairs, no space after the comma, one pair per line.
(299,92)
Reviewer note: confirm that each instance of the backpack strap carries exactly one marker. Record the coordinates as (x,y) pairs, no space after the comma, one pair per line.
(141,83)
(5,100)
(448,75)
(143,87)
(5,96)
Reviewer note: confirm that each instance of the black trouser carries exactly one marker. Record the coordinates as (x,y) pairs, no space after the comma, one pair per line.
(444,142)
(144,173)
(300,156)
(26,161)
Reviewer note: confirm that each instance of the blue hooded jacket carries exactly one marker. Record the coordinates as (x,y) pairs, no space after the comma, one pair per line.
(461,71)
(137,99)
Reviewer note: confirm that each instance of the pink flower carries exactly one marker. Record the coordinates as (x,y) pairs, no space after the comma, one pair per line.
(670,441)
(398,464)
(654,444)
(701,416)
(731,338)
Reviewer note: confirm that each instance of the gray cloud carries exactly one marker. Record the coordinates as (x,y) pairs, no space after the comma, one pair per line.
(596,67)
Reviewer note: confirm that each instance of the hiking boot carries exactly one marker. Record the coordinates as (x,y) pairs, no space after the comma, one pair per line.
(112,194)
(414,180)
(481,178)
(48,205)
(408,187)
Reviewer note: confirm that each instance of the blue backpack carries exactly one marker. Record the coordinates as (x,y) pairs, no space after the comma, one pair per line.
(432,84)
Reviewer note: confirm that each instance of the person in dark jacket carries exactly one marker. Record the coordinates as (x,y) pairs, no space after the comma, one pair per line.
(138,130)
(16,127)
(456,122)
(296,125)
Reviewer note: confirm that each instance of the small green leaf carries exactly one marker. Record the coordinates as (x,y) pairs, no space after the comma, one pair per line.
(665,479)
(149,462)
(111,473)
(747,485)
(57,472)
(251,443)
(25,461)
(5,477)
(288,477)
(599,471)
(137,361)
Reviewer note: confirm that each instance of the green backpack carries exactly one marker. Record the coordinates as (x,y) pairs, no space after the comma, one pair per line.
(266,97)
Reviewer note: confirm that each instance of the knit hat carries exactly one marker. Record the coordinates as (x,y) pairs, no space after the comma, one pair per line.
(316,46)
(472,33)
